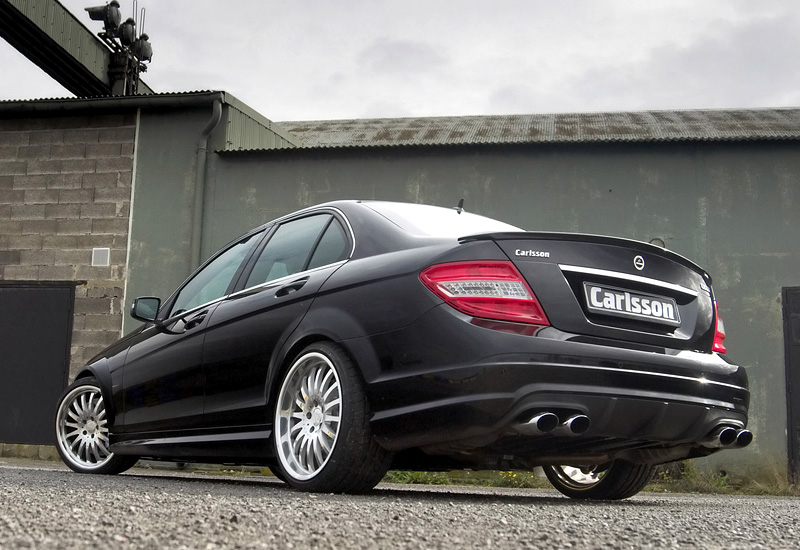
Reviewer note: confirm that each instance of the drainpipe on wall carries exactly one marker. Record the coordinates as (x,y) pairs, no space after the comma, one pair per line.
(200,180)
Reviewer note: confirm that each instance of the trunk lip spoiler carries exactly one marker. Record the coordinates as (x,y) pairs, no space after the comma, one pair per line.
(633,244)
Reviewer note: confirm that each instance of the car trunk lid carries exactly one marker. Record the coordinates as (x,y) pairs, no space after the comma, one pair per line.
(611,288)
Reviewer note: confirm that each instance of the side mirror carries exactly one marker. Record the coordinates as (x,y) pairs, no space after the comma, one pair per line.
(145,309)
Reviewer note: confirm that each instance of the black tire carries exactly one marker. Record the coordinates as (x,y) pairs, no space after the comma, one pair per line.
(82,431)
(613,481)
(321,433)
(277,472)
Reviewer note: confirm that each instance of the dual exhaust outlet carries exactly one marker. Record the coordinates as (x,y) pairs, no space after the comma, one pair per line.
(727,436)
(549,423)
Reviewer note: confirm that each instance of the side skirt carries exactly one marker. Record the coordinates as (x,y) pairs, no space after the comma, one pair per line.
(250,447)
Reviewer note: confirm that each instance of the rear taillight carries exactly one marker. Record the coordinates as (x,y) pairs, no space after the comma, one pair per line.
(489,290)
(719,333)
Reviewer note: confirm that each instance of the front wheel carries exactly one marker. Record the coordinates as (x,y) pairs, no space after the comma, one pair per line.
(611,481)
(322,435)
(82,431)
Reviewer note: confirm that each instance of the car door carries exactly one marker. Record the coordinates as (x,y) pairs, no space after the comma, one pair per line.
(250,325)
(163,381)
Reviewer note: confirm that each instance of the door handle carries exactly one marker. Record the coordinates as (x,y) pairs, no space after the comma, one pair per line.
(194,321)
(294,286)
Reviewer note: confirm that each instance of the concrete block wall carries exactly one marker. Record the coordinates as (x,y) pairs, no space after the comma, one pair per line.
(65,189)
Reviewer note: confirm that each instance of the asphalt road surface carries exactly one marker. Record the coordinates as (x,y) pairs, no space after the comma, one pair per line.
(43,505)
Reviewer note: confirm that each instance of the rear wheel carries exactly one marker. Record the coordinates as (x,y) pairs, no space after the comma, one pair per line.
(322,435)
(611,481)
(82,431)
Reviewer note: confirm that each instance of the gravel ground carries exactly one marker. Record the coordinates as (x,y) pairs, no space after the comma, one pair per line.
(44,505)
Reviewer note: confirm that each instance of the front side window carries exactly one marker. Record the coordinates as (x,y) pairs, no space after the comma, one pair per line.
(300,245)
(213,280)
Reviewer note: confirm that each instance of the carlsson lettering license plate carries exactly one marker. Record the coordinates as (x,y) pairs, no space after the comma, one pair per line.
(632,305)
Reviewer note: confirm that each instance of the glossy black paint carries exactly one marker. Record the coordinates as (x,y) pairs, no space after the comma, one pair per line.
(199,384)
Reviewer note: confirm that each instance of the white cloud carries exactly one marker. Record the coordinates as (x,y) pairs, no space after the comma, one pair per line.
(310,59)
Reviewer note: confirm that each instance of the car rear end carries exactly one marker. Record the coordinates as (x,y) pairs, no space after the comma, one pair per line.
(556,346)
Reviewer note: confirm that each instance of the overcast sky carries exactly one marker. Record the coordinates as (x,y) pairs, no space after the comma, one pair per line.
(332,59)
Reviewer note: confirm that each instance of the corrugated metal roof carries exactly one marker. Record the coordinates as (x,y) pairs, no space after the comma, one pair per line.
(247,129)
(44,104)
(250,131)
(694,125)
(243,127)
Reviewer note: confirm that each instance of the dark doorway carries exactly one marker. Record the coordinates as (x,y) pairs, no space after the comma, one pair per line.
(36,321)
(791,337)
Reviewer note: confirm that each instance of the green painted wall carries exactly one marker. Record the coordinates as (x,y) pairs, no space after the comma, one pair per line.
(163,202)
(732,207)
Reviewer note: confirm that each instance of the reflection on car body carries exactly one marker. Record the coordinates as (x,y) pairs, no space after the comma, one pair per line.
(355,336)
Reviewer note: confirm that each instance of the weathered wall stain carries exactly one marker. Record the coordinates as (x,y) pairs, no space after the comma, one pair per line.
(725,205)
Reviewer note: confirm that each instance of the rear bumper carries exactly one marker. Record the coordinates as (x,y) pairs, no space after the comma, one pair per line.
(459,381)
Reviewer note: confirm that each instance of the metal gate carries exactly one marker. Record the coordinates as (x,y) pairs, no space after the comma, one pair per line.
(35,337)
(791,337)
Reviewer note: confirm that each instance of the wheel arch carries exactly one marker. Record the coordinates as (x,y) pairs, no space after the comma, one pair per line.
(99,371)
(363,462)
(315,328)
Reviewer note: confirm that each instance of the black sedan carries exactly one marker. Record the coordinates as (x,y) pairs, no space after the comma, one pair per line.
(357,336)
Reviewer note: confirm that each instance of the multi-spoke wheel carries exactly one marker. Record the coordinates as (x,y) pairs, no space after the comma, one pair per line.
(82,431)
(309,415)
(322,436)
(610,481)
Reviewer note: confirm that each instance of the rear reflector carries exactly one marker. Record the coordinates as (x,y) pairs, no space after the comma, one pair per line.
(719,333)
(489,290)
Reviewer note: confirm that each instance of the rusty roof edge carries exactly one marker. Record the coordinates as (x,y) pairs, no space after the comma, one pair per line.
(593,140)
(618,126)
(582,114)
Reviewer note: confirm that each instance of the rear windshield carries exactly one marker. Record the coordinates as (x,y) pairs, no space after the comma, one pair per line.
(434,221)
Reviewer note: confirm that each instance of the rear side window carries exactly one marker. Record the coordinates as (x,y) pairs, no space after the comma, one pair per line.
(290,248)
(332,247)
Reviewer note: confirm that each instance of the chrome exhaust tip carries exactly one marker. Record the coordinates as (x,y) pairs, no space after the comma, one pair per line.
(744,438)
(574,425)
(721,437)
(542,423)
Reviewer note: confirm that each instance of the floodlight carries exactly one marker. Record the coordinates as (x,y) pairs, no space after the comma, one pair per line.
(127,32)
(108,14)
(142,48)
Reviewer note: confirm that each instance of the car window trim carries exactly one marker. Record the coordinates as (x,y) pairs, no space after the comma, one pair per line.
(281,281)
(316,243)
(334,212)
(241,279)
(189,312)
(251,290)
(247,267)
(250,255)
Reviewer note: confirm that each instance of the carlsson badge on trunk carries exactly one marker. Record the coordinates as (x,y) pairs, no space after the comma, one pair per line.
(638,263)
(619,302)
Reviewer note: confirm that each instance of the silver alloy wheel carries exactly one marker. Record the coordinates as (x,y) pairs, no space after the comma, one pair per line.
(580,477)
(308,416)
(82,428)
